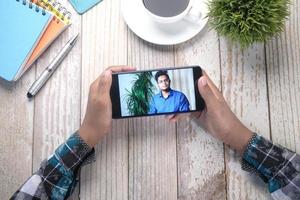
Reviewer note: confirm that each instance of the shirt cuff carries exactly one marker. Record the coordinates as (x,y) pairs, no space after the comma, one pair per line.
(74,153)
(59,172)
(269,161)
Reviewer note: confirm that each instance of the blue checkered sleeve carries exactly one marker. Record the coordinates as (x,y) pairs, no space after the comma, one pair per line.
(276,165)
(58,175)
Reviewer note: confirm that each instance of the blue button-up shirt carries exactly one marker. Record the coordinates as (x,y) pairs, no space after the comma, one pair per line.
(175,102)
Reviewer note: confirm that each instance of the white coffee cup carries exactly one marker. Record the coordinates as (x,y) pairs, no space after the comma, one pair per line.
(191,13)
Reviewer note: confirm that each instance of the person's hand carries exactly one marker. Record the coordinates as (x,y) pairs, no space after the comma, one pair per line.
(218,119)
(98,116)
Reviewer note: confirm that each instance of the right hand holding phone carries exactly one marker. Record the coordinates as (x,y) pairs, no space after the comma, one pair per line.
(218,119)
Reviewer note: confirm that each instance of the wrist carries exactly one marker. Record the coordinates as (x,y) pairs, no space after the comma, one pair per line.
(238,138)
(241,139)
(87,135)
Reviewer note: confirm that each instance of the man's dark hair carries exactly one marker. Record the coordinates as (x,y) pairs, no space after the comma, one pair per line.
(161,73)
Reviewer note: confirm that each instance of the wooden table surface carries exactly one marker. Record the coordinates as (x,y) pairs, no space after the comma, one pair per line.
(150,158)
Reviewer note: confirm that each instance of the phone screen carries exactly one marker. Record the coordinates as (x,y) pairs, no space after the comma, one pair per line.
(156,92)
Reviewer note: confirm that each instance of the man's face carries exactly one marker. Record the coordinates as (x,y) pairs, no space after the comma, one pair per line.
(163,82)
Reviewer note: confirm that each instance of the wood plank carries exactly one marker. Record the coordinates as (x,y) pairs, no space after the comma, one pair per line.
(57,107)
(152,140)
(104,44)
(16,132)
(283,61)
(201,171)
(107,178)
(245,89)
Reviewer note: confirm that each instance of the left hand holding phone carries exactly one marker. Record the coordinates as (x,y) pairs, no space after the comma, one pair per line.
(98,117)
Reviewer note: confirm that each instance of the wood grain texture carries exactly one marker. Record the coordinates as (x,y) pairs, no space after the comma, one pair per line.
(150,158)
(16,133)
(152,141)
(107,178)
(245,89)
(105,44)
(201,171)
(57,105)
(283,61)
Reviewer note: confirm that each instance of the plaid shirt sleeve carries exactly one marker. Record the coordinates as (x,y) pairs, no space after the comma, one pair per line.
(58,175)
(276,165)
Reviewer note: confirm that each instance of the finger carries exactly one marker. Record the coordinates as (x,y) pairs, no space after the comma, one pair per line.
(196,114)
(177,117)
(173,120)
(113,69)
(104,82)
(169,116)
(213,87)
(205,91)
(121,68)
(211,83)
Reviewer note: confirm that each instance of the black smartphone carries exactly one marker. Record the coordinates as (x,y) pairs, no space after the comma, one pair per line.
(156,92)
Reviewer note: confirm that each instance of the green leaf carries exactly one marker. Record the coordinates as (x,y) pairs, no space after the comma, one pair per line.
(138,97)
(248,21)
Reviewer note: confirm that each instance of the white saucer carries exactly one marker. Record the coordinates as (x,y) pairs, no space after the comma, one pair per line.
(142,24)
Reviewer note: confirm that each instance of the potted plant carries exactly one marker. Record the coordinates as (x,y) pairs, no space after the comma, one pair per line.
(248,21)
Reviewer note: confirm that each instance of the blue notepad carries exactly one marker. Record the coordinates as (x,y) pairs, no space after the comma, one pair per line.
(81,6)
(21,28)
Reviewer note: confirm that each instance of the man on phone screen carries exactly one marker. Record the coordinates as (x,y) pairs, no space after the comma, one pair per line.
(167,100)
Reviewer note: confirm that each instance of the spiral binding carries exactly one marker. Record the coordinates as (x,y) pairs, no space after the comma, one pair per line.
(31,6)
(52,5)
(60,10)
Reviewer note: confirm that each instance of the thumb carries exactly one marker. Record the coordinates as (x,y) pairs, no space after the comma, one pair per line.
(205,90)
(105,82)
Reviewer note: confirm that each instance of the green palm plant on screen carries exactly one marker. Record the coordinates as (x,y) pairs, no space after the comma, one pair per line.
(138,97)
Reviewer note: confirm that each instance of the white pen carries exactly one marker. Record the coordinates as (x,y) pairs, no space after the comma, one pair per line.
(46,74)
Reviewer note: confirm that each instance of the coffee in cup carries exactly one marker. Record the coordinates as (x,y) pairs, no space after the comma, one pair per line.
(166,8)
(170,11)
